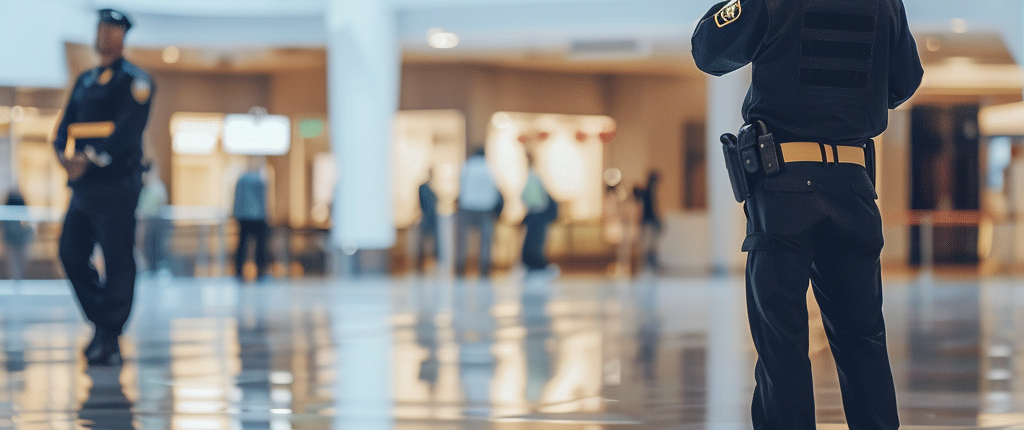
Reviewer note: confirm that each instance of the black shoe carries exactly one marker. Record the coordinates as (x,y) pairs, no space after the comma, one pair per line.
(94,344)
(98,337)
(106,353)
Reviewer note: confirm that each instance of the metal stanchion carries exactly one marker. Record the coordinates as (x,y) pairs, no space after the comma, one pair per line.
(203,253)
(222,247)
(928,246)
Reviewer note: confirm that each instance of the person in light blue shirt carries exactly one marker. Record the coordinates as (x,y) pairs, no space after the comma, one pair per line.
(155,228)
(250,210)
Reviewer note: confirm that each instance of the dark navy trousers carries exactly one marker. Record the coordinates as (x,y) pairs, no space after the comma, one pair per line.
(102,212)
(534,241)
(817,222)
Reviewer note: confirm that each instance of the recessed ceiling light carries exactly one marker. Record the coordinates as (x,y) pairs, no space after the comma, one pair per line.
(441,39)
(171,54)
(959,25)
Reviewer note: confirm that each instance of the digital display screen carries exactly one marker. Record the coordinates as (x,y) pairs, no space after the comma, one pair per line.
(252,135)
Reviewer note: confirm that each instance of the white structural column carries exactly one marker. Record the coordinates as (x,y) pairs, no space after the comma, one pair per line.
(725,99)
(364,66)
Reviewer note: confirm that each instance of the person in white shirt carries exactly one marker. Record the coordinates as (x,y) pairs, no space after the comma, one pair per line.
(480,203)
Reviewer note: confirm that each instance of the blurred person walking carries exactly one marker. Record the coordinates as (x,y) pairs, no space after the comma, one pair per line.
(541,211)
(825,74)
(650,220)
(250,210)
(18,237)
(480,205)
(428,224)
(155,229)
(99,142)
(618,221)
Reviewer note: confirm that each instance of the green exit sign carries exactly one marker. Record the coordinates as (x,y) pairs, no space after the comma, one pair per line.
(311,128)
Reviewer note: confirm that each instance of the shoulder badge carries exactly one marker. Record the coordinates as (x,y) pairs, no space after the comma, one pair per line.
(141,90)
(106,76)
(729,13)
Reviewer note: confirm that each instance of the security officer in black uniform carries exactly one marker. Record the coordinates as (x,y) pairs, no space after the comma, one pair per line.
(825,73)
(105,169)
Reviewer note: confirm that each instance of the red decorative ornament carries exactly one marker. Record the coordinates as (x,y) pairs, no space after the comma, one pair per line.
(581,136)
(542,136)
(524,139)
(607,136)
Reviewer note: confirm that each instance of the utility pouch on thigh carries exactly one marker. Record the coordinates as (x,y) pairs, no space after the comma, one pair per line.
(735,166)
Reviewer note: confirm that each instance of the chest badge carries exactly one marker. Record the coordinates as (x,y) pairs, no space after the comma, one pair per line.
(729,13)
(106,76)
(141,90)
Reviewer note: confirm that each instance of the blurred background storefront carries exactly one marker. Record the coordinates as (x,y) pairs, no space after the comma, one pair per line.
(376,94)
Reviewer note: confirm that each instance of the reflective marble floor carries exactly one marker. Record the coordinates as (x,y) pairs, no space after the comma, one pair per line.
(580,353)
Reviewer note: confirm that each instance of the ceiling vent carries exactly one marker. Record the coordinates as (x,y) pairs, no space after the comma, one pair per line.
(608,49)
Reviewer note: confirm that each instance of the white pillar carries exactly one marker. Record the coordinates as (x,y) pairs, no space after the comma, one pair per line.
(725,100)
(363,66)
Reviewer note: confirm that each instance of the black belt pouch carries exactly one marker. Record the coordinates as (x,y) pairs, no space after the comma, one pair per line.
(735,165)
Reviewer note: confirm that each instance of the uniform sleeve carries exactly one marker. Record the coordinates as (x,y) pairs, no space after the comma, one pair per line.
(729,35)
(905,71)
(129,121)
(61,139)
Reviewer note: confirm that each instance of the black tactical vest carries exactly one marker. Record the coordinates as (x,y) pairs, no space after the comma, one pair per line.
(822,72)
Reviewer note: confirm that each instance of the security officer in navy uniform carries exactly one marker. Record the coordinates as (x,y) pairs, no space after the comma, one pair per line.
(825,73)
(105,178)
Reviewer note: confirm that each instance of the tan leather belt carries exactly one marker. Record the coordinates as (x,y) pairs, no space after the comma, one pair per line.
(822,153)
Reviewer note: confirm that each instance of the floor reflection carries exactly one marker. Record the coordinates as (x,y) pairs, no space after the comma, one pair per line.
(944,342)
(106,407)
(582,353)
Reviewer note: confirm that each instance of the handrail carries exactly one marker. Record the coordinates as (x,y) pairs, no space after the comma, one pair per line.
(949,218)
(196,214)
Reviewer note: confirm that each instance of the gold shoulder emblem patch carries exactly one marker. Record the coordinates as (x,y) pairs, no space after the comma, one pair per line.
(106,76)
(729,13)
(141,90)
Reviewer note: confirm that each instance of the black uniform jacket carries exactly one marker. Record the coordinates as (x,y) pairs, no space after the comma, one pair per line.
(823,70)
(121,93)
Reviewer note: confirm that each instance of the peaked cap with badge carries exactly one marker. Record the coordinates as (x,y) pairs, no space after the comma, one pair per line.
(119,94)
(110,16)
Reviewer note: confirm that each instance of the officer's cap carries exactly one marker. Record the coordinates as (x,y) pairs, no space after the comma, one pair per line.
(114,17)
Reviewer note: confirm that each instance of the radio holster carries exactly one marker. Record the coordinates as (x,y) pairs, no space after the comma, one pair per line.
(748,156)
(737,174)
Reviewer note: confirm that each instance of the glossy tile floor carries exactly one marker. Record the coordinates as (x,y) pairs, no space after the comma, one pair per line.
(580,353)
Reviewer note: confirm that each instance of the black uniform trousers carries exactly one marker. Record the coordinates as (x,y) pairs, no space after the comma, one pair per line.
(817,222)
(102,212)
